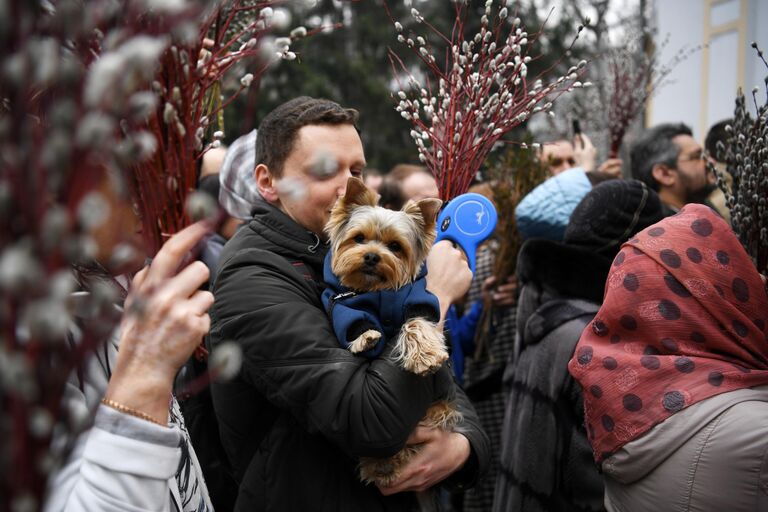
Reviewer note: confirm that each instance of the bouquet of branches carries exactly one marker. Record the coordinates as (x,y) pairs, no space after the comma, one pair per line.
(512,177)
(625,77)
(124,91)
(186,107)
(746,157)
(467,101)
(61,133)
(634,75)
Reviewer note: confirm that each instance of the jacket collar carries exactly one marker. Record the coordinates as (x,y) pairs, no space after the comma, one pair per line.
(289,238)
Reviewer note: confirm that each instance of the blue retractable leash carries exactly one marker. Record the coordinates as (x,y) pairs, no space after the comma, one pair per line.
(467,220)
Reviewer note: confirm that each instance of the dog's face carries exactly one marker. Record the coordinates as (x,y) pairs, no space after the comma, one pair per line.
(375,248)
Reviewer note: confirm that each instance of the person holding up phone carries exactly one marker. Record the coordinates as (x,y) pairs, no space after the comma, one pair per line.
(586,153)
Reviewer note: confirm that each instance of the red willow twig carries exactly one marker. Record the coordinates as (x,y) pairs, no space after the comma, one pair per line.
(190,107)
(634,77)
(480,93)
(74,109)
(60,134)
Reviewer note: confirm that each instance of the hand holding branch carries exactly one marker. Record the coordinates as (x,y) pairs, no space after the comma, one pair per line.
(164,321)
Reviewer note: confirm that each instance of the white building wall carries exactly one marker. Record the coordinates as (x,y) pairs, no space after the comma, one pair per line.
(702,89)
(758,31)
(678,100)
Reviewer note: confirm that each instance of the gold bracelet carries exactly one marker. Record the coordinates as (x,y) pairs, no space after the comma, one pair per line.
(133,412)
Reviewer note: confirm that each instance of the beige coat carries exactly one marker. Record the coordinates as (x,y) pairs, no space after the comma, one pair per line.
(712,456)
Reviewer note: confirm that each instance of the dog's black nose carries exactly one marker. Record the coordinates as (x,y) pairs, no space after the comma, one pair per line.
(371,259)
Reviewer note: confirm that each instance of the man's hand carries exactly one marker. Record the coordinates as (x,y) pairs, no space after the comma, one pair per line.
(442,453)
(611,167)
(448,276)
(584,152)
(165,318)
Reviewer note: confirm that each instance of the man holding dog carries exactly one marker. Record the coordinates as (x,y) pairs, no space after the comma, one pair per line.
(303,410)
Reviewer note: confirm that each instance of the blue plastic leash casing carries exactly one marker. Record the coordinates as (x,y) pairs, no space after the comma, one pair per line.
(467,220)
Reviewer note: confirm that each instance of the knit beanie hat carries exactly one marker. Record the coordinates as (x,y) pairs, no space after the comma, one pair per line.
(610,214)
(238,189)
(545,211)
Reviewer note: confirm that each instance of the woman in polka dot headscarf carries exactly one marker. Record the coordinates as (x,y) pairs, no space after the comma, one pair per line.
(674,369)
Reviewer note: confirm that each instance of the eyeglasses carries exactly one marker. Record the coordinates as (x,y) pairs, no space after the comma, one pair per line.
(557,162)
(693,157)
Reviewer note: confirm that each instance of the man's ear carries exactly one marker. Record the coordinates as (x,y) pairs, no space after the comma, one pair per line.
(265,182)
(664,175)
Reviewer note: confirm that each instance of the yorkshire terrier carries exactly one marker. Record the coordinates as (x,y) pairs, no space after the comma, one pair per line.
(376,271)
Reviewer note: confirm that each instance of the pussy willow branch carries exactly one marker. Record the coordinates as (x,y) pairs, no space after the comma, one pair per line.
(746,157)
(480,94)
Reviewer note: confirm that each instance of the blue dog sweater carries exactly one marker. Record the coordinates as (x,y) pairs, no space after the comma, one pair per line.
(352,313)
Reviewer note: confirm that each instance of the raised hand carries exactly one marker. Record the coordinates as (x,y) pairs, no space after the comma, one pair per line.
(164,320)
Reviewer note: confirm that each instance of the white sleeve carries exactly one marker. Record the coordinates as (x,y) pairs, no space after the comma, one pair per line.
(122,463)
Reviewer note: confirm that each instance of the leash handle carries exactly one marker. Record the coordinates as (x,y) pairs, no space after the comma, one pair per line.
(467,220)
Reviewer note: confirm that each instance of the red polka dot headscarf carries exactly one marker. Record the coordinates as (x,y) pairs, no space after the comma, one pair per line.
(683,319)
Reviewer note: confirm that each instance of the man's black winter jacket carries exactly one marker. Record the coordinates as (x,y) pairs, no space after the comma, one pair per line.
(303,410)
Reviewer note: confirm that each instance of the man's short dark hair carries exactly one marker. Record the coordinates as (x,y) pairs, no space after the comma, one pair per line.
(717,134)
(210,185)
(654,146)
(390,195)
(279,129)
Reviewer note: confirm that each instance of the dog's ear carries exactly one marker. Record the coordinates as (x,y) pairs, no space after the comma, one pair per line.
(424,212)
(358,194)
(427,209)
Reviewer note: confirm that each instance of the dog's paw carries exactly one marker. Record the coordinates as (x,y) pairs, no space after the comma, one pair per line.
(425,364)
(385,472)
(379,472)
(421,347)
(365,341)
